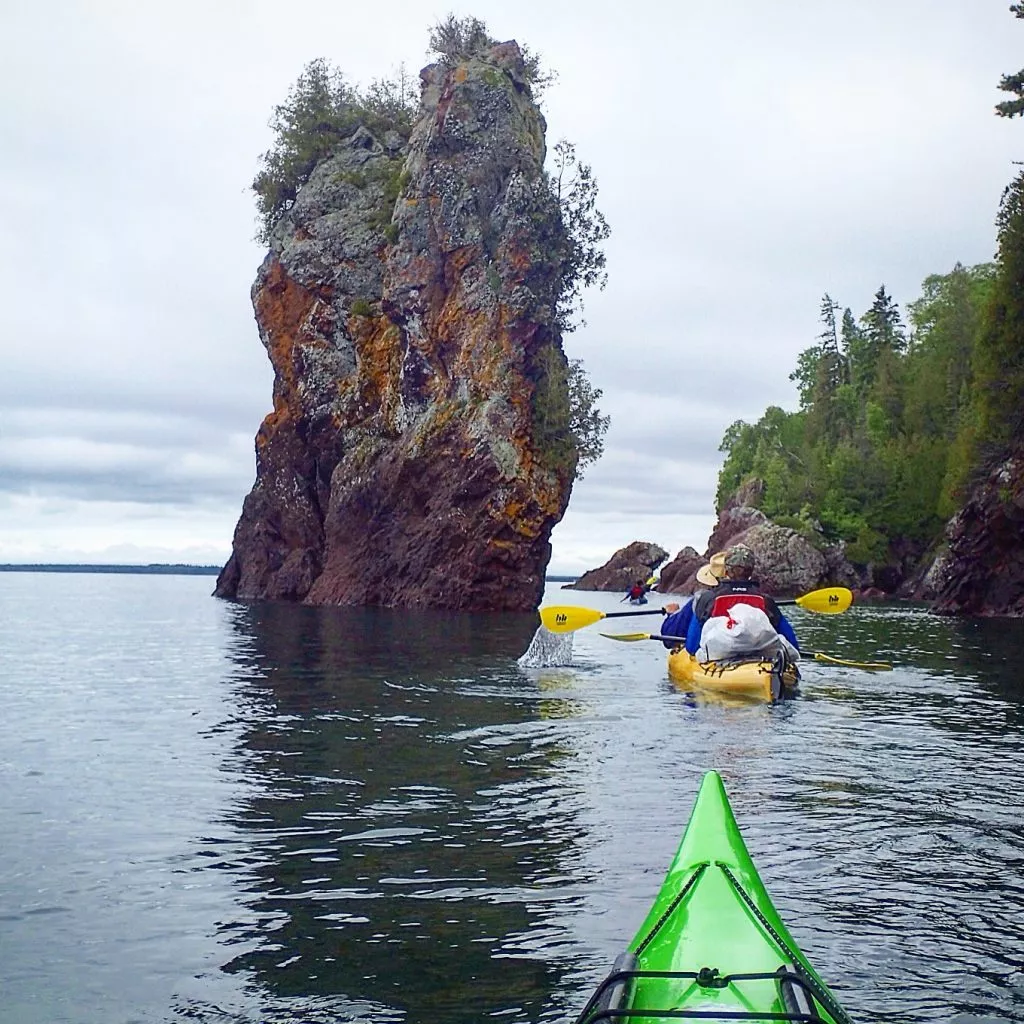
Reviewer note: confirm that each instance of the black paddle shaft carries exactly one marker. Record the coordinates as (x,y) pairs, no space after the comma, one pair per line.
(629,615)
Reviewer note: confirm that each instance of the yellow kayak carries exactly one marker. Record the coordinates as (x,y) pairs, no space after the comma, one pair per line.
(767,680)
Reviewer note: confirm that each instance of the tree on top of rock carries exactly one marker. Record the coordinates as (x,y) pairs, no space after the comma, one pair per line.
(456,39)
(321,111)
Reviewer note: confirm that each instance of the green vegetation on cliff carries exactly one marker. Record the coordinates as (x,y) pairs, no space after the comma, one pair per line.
(871,456)
(323,109)
(896,424)
(999,356)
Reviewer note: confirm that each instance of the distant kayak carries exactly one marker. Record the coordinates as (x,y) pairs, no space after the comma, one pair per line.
(638,600)
(713,946)
(766,679)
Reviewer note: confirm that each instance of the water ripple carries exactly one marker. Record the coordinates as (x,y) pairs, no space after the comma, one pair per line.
(268,813)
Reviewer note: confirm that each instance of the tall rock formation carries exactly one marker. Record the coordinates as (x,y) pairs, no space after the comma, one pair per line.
(407,305)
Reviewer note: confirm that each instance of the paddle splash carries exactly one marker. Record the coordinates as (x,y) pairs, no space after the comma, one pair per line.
(547,650)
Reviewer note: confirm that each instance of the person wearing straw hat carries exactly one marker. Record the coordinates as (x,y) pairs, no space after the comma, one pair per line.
(678,621)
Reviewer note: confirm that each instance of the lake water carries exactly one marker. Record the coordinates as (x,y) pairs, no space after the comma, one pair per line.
(223,813)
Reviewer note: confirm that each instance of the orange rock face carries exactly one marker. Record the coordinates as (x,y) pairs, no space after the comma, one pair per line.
(402,463)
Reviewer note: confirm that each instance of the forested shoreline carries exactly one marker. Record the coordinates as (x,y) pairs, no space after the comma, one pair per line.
(900,417)
(887,434)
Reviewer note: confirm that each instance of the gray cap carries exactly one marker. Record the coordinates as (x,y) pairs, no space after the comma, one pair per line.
(739,557)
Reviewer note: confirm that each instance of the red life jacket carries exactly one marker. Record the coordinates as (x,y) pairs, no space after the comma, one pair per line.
(725,601)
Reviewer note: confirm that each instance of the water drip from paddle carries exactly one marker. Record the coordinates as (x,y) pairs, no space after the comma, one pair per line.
(547,650)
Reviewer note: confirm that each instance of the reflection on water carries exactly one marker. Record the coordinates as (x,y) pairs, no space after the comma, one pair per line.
(410,825)
(228,813)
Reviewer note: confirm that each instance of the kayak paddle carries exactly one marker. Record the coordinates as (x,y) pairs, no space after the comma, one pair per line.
(569,618)
(632,637)
(872,666)
(828,601)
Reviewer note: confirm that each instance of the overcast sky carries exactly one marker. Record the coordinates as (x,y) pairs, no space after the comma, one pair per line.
(751,156)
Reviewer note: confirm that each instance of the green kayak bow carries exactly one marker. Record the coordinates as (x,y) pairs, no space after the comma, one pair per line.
(713,946)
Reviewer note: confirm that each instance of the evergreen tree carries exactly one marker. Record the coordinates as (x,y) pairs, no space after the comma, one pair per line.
(322,109)
(849,343)
(832,373)
(999,356)
(829,337)
(946,320)
(582,263)
(1013,83)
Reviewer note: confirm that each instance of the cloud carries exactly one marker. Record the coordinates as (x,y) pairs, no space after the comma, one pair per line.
(66,530)
(750,158)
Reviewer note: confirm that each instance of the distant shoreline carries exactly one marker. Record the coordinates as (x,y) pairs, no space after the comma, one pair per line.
(158,570)
(151,570)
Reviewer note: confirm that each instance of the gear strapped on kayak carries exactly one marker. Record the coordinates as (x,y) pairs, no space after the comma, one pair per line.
(604,1006)
(709,977)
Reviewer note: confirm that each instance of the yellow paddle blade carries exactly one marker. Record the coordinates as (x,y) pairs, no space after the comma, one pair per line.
(628,637)
(830,601)
(565,618)
(871,666)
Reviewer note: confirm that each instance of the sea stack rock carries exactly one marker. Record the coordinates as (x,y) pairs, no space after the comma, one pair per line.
(407,305)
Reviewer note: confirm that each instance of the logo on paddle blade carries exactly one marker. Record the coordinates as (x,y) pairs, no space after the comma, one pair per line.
(833,599)
(561,619)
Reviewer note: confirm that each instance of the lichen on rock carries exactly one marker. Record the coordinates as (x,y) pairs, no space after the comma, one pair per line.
(408,307)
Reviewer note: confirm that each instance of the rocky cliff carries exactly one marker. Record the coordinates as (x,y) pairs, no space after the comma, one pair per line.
(681,572)
(407,305)
(982,570)
(788,564)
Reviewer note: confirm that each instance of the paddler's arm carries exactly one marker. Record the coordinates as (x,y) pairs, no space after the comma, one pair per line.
(780,622)
(786,630)
(677,623)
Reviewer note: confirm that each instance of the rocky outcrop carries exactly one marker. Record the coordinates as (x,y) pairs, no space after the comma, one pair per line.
(733,521)
(982,570)
(788,564)
(678,577)
(413,341)
(636,561)
(929,578)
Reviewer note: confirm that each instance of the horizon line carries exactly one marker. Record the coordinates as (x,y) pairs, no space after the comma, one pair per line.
(205,569)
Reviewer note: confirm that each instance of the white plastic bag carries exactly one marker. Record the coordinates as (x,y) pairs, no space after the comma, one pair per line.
(745,631)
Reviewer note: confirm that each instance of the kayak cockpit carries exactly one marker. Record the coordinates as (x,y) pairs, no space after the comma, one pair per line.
(611,1000)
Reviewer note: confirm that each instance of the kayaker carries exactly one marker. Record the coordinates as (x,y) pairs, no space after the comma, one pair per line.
(678,621)
(637,591)
(737,579)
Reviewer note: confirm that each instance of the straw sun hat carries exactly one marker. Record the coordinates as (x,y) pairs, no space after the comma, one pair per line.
(711,573)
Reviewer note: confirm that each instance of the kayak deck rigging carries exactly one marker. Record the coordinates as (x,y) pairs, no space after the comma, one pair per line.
(790,979)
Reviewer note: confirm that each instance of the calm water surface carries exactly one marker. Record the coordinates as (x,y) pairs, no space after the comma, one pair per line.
(224,813)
